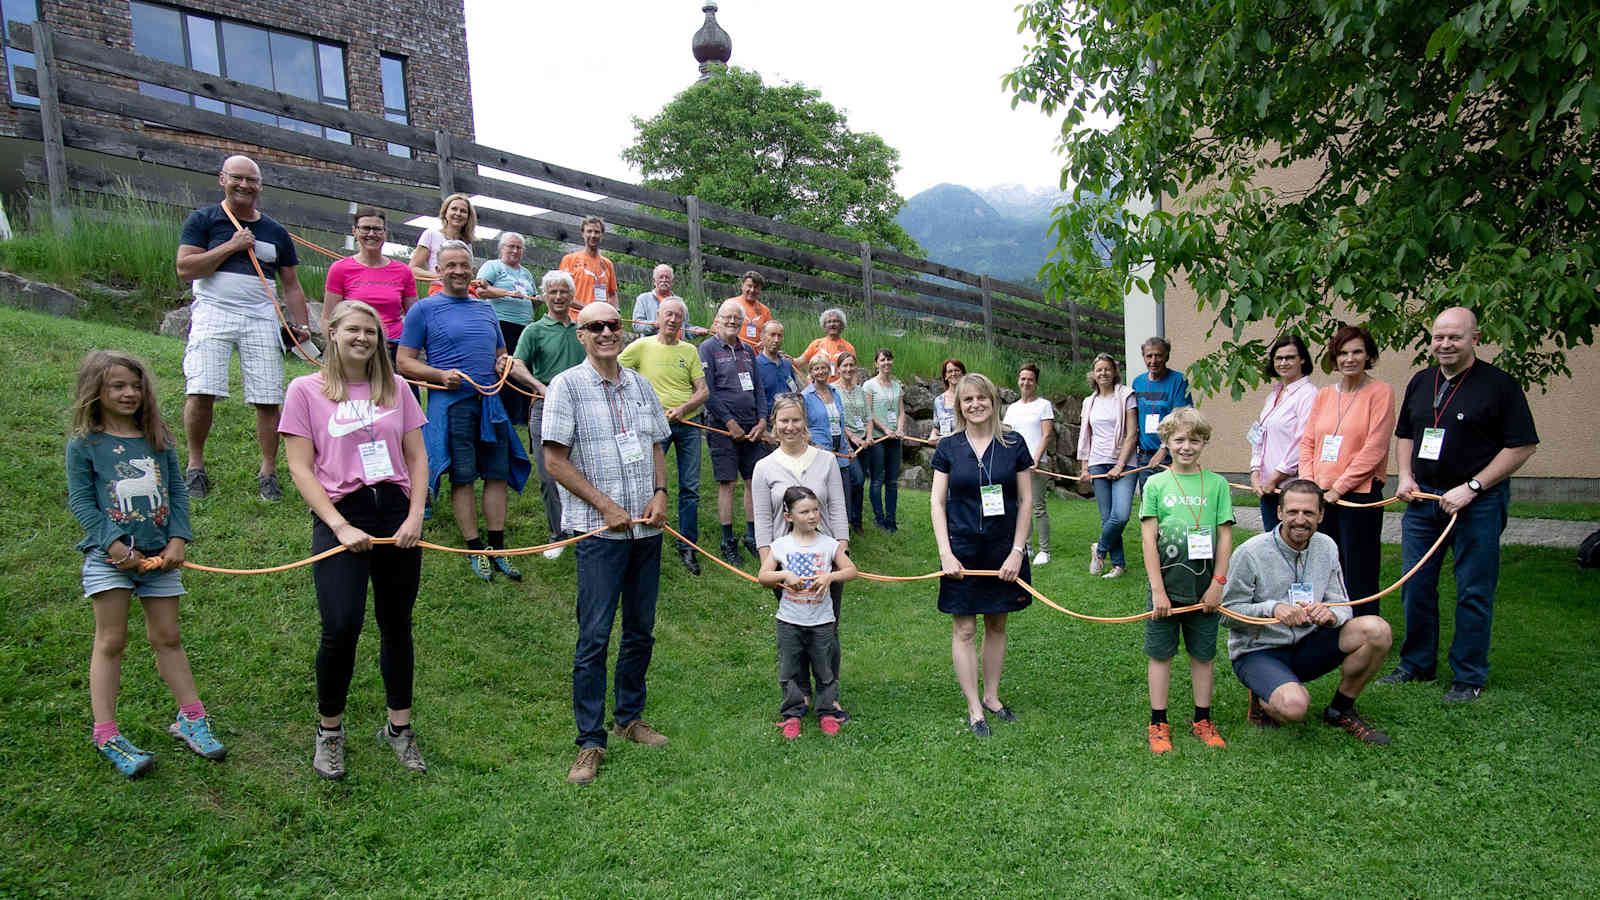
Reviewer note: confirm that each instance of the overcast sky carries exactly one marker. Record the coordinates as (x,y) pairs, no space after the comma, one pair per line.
(562,85)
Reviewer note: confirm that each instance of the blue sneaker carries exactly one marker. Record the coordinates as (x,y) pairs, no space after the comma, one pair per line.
(197,734)
(480,566)
(504,566)
(126,758)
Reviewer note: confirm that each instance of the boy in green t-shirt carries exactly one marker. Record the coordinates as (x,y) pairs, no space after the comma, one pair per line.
(1187,524)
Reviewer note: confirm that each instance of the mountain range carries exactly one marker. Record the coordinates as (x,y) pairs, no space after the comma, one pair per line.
(1001,231)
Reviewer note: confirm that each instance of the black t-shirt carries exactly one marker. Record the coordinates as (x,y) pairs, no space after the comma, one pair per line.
(209,227)
(1483,412)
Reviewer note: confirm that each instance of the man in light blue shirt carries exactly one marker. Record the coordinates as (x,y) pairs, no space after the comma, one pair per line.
(1157,392)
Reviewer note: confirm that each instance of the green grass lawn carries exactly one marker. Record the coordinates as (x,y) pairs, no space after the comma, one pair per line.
(1571,512)
(1495,799)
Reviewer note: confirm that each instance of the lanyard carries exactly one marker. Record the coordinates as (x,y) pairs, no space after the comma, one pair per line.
(1296,564)
(1276,398)
(1438,407)
(985,477)
(1338,404)
(621,423)
(1185,495)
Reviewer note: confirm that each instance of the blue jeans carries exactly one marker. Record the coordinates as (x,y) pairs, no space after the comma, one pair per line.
(884,462)
(855,481)
(1115,499)
(1476,543)
(1269,512)
(1141,458)
(608,571)
(686,438)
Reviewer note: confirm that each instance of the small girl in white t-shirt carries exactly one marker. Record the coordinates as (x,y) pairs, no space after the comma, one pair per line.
(803,563)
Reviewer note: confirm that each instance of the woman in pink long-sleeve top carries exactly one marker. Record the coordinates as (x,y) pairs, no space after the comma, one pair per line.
(1275,434)
(1345,450)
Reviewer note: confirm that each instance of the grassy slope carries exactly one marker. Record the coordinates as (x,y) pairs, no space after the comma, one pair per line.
(1491,799)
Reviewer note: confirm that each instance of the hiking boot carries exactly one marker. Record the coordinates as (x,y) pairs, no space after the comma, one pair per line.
(586,766)
(640,733)
(127,759)
(1404,676)
(1206,731)
(480,566)
(1256,714)
(1161,738)
(268,489)
(1097,563)
(198,484)
(404,746)
(1354,724)
(749,542)
(503,563)
(791,728)
(690,560)
(730,553)
(328,759)
(1463,693)
(196,735)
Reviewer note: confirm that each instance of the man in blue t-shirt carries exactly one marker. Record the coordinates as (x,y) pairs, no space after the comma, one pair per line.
(233,309)
(1157,392)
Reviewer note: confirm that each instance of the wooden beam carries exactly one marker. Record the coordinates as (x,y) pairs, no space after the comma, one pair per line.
(55,154)
(988,310)
(447,173)
(697,264)
(866,277)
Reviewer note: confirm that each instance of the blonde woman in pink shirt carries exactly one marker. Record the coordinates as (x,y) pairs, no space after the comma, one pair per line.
(1275,434)
(1345,450)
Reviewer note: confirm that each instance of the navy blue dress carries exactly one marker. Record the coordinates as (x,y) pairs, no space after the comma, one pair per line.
(981,542)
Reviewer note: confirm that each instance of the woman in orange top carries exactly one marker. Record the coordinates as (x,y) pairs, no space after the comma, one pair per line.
(831,345)
(1345,450)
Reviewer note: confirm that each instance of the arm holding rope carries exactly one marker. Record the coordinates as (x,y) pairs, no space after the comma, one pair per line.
(198,262)
(1149,529)
(411,366)
(416,455)
(949,566)
(1224,551)
(302,453)
(294,297)
(1013,564)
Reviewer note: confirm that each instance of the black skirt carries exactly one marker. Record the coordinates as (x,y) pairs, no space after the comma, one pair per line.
(982,595)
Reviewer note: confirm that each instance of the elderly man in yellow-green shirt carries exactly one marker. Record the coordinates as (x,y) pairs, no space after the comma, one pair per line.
(672,366)
(549,347)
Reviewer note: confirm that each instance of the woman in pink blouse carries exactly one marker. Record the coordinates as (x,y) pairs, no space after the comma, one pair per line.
(1275,434)
(1345,450)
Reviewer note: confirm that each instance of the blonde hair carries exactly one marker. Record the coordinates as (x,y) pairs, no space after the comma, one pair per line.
(472,216)
(786,400)
(981,383)
(1184,418)
(379,372)
(88,417)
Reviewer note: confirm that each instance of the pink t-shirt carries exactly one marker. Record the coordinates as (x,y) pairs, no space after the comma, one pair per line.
(385,290)
(337,431)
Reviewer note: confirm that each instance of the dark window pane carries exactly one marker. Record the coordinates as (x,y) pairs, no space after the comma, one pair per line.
(203,55)
(247,55)
(302,127)
(331,59)
(14,58)
(294,66)
(210,105)
(253,115)
(394,82)
(157,33)
(163,93)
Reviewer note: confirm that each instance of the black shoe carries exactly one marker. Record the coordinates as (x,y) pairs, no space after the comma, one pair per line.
(730,553)
(1404,676)
(1355,725)
(690,559)
(979,728)
(749,542)
(891,527)
(1463,693)
(1004,713)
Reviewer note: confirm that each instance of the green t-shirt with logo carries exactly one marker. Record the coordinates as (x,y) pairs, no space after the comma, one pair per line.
(1181,504)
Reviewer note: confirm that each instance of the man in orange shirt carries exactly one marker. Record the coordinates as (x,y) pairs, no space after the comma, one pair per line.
(756,313)
(593,276)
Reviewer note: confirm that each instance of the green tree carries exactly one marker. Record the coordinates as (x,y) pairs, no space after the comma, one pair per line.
(778,151)
(1453,146)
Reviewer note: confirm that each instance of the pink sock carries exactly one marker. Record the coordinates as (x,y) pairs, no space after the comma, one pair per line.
(105,731)
(195,710)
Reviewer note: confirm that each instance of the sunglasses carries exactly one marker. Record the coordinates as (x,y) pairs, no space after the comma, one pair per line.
(614,325)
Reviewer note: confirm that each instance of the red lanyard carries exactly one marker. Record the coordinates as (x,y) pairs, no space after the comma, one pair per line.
(1185,495)
(1446,404)
(622,425)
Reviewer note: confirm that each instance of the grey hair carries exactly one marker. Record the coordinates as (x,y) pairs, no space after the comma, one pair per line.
(822,320)
(676,301)
(732,303)
(556,276)
(508,235)
(657,270)
(457,245)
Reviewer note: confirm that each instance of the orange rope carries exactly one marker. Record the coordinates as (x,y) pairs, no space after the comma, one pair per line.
(307,244)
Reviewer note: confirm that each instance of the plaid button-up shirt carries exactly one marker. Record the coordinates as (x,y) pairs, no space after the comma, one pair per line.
(585,413)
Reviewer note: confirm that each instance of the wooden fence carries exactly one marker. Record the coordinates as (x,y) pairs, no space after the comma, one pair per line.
(811,270)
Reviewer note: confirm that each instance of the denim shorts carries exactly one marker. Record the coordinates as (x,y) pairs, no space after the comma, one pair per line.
(1306,660)
(731,459)
(100,575)
(470,458)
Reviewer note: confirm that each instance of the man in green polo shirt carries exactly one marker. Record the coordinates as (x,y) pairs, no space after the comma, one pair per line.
(672,366)
(549,347)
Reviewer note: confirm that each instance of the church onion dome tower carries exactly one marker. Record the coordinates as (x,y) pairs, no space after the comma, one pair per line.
(711,43)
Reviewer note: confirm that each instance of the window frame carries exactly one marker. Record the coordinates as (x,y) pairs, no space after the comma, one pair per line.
(392,112)
(13,96)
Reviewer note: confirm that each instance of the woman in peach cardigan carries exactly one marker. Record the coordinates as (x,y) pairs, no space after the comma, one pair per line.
(1345,450)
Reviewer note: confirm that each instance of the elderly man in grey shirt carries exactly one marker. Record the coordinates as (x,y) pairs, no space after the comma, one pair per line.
(1291,574)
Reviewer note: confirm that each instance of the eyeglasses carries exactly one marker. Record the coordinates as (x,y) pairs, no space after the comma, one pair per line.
(614,325)
(241,179)
(370,229)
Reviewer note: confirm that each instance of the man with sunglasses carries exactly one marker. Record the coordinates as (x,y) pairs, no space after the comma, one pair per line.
(603,433)
(735,403)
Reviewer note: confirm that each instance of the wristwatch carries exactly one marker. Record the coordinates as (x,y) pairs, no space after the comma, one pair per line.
(1476,485)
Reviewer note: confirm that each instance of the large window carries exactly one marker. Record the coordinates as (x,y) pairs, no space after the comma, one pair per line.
(276,60)
(393,72)
(21,11)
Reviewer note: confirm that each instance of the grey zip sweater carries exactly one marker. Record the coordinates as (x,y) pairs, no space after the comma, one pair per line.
(1259,574)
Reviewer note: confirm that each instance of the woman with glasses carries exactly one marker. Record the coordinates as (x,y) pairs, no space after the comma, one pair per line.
(1275,434)
(382,283)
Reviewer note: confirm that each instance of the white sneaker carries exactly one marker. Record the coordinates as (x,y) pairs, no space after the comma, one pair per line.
(1097,563)
(1042,558)
(553,552)
(1116,572)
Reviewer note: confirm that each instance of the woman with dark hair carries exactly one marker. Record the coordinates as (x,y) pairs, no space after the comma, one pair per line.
(1345,450)
(1275,434)
(382,283)
(944,405)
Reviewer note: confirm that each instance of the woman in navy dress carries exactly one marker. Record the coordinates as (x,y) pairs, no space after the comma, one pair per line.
(979,483)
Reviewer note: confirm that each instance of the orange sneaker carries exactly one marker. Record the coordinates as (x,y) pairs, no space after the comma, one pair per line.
(1207,733)
(1161,738)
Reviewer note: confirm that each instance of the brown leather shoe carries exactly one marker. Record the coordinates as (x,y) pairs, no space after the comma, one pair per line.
(587,765)
(640,733)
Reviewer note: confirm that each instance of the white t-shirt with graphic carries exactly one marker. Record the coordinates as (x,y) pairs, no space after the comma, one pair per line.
(806,606)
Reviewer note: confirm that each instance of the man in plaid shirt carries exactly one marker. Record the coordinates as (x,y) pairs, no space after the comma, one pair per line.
(602,429)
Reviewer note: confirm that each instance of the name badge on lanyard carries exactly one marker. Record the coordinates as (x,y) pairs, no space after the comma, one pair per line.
(599,293)
(1152,423)
(628,447)
(1199,543)
(994,503)
(375,462)
(1432,443)
(1300,594)
(1256,433)
(750,332)
(1330,447)
(746,383)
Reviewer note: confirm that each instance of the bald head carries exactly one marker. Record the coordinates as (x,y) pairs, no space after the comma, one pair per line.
(1458,316)
(240,179)
(596,312)
(1454,340)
